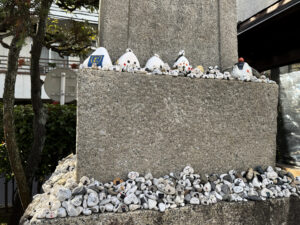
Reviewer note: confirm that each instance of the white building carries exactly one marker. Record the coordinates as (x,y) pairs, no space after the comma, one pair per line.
(23,79)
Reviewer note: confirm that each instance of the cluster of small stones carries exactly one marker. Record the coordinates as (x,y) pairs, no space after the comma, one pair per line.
(210,73)
(64,197)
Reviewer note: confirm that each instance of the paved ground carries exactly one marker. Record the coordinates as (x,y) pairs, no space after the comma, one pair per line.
(293,169)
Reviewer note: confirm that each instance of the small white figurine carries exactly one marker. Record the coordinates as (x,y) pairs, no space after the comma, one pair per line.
(227,76)
(166,69)
(154,63)
(174,73)
(128,60)
(182,63)
(218,74)
(242,71)
(99,58)
(195,73)
(211,73)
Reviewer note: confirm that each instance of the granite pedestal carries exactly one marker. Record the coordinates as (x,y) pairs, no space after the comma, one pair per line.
(134,122)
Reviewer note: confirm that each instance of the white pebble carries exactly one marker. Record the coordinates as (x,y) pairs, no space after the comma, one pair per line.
(152,203)
(195,201)
(64,194)
(61,212)
(109,207)
(162,207)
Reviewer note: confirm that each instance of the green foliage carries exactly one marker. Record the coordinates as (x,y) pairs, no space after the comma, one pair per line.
(71,5)
(15,16)
(60,137)
(70,37)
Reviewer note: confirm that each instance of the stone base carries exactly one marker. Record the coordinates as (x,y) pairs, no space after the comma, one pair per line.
(136,122)
(275,211)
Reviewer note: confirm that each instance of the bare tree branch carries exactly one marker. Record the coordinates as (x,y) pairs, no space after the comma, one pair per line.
(5,45)
(6,35)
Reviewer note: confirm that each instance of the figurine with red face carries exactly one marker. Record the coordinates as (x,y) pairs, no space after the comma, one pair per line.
(242,71)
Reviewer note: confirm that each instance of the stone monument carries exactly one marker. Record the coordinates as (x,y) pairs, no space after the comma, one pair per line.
(206,30)
(149,123)
(160,124)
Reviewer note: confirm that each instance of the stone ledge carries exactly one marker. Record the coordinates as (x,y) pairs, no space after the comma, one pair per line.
(273,212)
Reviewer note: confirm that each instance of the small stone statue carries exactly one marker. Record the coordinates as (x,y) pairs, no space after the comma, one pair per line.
(154,63)
(242,71)
(182,63)
(99,58)
(128,60)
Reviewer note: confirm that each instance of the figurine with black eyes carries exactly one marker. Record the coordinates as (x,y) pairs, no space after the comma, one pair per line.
(182,63)
(153,63)
(128,61)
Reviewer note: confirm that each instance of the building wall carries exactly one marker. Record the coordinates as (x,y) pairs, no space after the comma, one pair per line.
(248,8)
(25,52)
(22,88)
(78,15)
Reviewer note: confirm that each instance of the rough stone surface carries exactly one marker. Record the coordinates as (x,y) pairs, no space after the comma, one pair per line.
(153,123)
(206,30)
(272,212)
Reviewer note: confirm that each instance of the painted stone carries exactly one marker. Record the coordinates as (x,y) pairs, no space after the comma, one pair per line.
(182,62)
(128,60)
(154,63)
(99,58)
(242,70)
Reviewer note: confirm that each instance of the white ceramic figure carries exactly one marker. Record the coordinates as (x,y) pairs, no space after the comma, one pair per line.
(99,58)
(166,69)
(182,62)
(195,73)
(128,60)
(227,76)
(154,63)
(242,71)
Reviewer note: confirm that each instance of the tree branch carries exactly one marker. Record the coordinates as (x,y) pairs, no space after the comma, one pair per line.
(5,35)
(5,45)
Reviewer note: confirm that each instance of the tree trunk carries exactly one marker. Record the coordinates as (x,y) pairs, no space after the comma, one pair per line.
(8,121)
(17,211)
(40,115)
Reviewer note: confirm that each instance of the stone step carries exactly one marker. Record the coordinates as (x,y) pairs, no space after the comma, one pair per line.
(275,211)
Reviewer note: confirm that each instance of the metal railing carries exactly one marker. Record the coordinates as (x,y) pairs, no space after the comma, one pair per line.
(8,190)
(46,65)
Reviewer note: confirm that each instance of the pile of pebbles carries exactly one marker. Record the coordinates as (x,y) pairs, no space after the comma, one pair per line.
(65,197)
(210,73)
